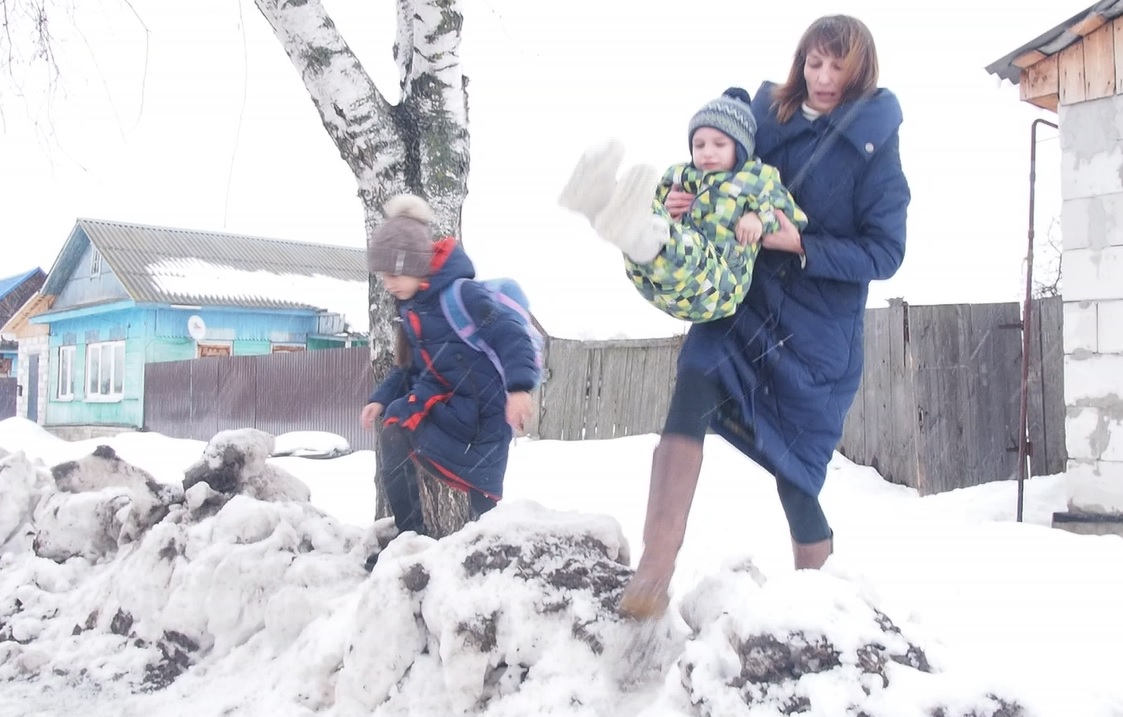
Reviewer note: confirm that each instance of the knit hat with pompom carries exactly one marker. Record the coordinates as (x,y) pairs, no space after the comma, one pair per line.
(403,243)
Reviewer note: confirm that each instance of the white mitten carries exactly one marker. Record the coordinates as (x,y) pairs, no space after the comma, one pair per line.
(593,179)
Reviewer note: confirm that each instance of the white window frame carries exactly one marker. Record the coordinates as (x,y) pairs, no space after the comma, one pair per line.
(95,263)
(95,376)
(64,376)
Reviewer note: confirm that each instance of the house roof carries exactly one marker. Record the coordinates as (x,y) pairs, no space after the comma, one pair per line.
(190,267)
(11,283)
(1053,41)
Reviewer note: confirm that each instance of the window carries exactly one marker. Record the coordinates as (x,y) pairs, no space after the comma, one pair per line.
(285,348)
(105,370)
(65,372)
(95,263)
(214,349)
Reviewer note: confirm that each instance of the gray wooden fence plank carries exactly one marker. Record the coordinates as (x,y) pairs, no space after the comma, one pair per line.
(1055,459)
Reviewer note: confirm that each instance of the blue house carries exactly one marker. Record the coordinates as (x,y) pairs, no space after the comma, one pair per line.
(126,295)
(15,291)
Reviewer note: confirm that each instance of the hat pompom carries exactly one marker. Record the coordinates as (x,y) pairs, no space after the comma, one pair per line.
(410,207)
(738,93)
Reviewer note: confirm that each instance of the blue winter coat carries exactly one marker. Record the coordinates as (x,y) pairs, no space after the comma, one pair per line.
(451,397)
(790,359)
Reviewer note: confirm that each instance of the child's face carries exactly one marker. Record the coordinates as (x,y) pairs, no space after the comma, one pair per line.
(713,150)
(401,286)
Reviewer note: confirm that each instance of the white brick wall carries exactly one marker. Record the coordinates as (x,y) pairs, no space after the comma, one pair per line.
(1081,326)
(1094,434)
(1092,280)
(1094,487)
(1109,326)
(1093,273)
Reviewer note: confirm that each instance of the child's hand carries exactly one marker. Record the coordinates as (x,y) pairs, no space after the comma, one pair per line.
(520,407)
(677,202)
(749,229)
(370,412)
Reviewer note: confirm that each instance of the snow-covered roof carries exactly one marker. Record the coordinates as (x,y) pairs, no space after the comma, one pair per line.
(185,266)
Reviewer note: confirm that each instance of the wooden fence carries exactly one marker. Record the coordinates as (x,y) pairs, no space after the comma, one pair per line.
(606,389)
(937,408)
(939,404)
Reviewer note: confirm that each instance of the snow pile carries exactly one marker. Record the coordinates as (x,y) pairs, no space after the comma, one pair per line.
(232,593)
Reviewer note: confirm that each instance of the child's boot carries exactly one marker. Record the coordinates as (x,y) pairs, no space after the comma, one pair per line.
(593,179)
(628,222)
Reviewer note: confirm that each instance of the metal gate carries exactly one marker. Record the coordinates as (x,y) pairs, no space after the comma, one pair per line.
(9,387)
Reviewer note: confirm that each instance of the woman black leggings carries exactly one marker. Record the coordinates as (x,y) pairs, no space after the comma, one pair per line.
(695,400)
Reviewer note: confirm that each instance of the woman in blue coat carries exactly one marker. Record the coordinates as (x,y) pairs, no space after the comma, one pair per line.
(777,378)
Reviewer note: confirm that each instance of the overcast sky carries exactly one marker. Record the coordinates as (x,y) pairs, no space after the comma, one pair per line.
(193,117)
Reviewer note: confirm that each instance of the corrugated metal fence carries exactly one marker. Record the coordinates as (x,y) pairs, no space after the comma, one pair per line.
(9,390)
(303,391)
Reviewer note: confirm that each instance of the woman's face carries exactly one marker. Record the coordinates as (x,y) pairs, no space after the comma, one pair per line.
(826,80)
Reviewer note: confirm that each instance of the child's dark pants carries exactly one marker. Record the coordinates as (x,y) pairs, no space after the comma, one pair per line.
(399,480)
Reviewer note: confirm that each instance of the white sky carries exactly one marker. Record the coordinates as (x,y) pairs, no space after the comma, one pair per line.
(212,129)
(1018,610)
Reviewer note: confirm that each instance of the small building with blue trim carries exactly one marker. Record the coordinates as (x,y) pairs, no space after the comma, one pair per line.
(15,291)
(125,295)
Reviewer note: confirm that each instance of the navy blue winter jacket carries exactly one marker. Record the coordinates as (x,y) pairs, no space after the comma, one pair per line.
(790,359)
(451,397)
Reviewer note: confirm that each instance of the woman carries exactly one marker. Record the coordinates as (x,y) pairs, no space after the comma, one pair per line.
(777,378)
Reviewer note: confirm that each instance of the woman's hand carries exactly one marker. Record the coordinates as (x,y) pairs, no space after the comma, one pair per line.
(520,406)
(677,202)
(787,239)
(370,412)
(749,228)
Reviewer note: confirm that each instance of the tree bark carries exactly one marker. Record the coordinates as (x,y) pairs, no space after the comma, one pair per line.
(418,146)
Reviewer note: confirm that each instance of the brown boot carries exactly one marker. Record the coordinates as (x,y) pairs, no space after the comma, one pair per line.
(675,466)
(811,556)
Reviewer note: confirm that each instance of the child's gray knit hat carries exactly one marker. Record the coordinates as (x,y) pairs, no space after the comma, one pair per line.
(730,114)
(403,243)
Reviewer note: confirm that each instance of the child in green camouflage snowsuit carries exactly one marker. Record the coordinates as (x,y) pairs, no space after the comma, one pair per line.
(698,268)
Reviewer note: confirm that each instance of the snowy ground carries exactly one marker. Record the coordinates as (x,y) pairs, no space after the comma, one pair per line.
(143,597)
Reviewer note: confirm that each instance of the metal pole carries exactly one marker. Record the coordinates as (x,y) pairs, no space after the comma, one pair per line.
(1027,323)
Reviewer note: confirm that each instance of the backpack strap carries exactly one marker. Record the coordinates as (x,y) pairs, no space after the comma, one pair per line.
(460,319)
(457,315)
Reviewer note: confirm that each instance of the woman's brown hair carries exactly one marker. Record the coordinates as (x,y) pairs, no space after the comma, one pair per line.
(839,36)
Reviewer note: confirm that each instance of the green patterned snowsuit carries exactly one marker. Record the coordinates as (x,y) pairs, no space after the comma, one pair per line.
(702,273)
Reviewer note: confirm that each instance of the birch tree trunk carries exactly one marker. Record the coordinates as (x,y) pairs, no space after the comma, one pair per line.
(419,145)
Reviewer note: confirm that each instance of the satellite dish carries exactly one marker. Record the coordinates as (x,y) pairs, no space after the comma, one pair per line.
(196,328)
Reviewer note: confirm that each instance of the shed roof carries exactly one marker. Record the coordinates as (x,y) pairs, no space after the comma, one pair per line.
(1010,66)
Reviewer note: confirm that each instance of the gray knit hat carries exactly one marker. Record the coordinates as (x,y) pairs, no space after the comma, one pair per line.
(403,243)
(732,115)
